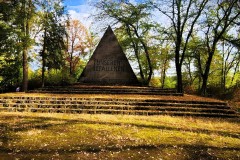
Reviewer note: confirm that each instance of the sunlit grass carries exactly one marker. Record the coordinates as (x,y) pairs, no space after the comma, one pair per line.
(118,136)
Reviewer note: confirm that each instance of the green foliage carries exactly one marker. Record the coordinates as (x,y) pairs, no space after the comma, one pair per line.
(155,82)
(79,68)
(222,75)
(10,73)
(10,58)
(170,82)
(52,40)
(54,77)
(34,80)
(58,77)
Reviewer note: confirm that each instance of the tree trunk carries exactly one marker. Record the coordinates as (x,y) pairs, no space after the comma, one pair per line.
(163,73)
(224,81)
(204,85)
(163,77)
(140,68)
(44,57)
(179,78)
(225,67)
(43,70)
(147,55)
(136,51)
(199,82)
(149,64)
(206,74)
(178,64)
(139,63)
(190,72)
(71,58)
(71,64)
(25,30)
(25,69)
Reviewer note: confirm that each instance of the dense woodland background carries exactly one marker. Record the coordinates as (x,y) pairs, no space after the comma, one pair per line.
(200,39)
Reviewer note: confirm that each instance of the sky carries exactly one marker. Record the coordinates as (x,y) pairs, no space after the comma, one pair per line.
(79,9)
(74,2)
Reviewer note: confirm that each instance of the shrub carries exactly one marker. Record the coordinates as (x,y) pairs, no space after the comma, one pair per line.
(189,89)
(58,77)
(155,82)
(236,95)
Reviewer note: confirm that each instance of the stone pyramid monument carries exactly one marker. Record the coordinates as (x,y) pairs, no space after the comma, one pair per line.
(108,64)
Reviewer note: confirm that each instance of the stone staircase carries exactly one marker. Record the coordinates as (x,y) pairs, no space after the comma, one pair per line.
(129,106)
(81,89)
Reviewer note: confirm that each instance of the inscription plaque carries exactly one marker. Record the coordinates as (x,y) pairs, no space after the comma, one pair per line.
(108,64)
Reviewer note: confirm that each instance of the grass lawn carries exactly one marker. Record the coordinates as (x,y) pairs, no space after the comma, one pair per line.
(85,136)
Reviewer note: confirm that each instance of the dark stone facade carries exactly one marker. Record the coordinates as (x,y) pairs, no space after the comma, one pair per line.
(108,64)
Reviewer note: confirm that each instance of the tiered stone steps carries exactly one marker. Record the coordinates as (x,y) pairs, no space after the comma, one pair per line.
(81,89)
(130,106)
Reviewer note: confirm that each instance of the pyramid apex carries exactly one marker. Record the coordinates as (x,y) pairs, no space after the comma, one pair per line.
(109,28)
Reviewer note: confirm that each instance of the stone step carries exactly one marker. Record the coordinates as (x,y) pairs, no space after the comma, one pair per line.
(96,105)
(106,90)
(109,87)
(106,101)
(128,112)
(115,106)
(109,92)
(118,107)
(136,103)
(22,99)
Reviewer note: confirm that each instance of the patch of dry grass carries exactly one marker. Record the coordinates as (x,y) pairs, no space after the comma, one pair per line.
(85,136)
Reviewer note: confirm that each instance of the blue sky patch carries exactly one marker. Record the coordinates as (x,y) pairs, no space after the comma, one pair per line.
(74,2)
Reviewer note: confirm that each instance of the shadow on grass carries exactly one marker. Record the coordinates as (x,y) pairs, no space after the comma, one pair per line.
(43,123)
(11,123)
(188,152)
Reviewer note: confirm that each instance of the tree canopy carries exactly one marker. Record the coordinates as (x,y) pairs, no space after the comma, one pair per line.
(199,38)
